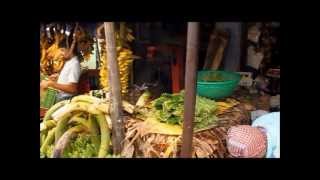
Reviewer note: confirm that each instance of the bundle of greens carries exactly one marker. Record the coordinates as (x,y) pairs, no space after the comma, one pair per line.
(81,147)
(168,108)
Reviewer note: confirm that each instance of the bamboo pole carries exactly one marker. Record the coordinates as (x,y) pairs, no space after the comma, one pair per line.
(190,85)
(114,79)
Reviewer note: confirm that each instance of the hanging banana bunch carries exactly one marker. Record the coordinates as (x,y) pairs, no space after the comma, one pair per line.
(124,57)
(51,56)
(124,60)
(51,36)
(103,67)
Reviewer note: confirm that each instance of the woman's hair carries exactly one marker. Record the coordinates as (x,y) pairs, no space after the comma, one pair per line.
(63,44)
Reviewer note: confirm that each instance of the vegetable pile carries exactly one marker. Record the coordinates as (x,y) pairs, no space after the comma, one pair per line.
(168,108)
(155,130)
(80,128)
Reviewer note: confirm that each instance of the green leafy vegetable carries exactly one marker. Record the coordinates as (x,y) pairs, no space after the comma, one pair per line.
(81,147)
(168,108)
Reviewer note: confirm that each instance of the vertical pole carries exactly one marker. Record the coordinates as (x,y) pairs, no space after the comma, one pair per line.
(190,86)
(97,54)
(122,33)
(113,70)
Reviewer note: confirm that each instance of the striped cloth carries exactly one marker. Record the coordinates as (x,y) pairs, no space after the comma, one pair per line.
(246,141)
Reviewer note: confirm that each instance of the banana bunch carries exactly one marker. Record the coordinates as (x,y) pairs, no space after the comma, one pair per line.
(103,73)
(51,56)
(124,58)
(82,115)
(51,60)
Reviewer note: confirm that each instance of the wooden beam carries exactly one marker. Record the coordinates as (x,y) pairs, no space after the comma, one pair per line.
(114,79)
(190,87)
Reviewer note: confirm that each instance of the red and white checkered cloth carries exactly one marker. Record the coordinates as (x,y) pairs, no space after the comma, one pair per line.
(246,141)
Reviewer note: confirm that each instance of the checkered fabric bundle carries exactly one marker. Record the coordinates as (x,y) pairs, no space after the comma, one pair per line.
(246,141)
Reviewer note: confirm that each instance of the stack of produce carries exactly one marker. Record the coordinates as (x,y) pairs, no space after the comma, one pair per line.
(78,128)
(156,129)
(124,58)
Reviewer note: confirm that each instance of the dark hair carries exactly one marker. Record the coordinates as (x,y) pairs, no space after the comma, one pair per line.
(63,44)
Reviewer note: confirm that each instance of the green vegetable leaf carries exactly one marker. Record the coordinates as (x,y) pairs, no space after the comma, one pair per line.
(168,108)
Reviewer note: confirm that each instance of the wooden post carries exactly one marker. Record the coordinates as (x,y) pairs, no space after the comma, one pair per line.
(190,86)
(113,70)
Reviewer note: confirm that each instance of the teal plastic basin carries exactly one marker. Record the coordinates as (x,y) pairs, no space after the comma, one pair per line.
(217,89)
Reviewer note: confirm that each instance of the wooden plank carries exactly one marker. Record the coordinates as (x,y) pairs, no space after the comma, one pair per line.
(217,44)
(212,48)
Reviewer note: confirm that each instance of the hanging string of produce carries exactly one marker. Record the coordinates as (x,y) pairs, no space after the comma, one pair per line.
(124,56)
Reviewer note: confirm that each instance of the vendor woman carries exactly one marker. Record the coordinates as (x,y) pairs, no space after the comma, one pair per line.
(68,79)
(260,140)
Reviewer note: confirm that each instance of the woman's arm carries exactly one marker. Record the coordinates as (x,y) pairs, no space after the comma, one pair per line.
(71,88)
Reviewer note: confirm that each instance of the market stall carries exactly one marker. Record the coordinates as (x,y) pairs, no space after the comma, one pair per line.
(111,117)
